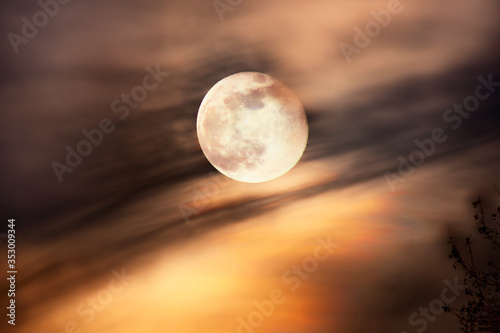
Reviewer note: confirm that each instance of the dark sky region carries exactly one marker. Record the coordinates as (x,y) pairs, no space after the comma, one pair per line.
(144,235)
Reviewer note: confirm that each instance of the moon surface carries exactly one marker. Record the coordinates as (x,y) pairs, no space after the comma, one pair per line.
(251,127)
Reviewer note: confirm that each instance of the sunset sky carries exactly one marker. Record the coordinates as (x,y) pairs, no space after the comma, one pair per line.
(144,235)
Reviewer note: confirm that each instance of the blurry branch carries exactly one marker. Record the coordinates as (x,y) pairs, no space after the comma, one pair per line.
(481,313)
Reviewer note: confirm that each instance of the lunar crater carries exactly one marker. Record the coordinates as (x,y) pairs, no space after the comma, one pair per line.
(254,99)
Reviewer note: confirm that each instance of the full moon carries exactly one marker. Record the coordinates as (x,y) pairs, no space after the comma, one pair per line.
(251,127)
